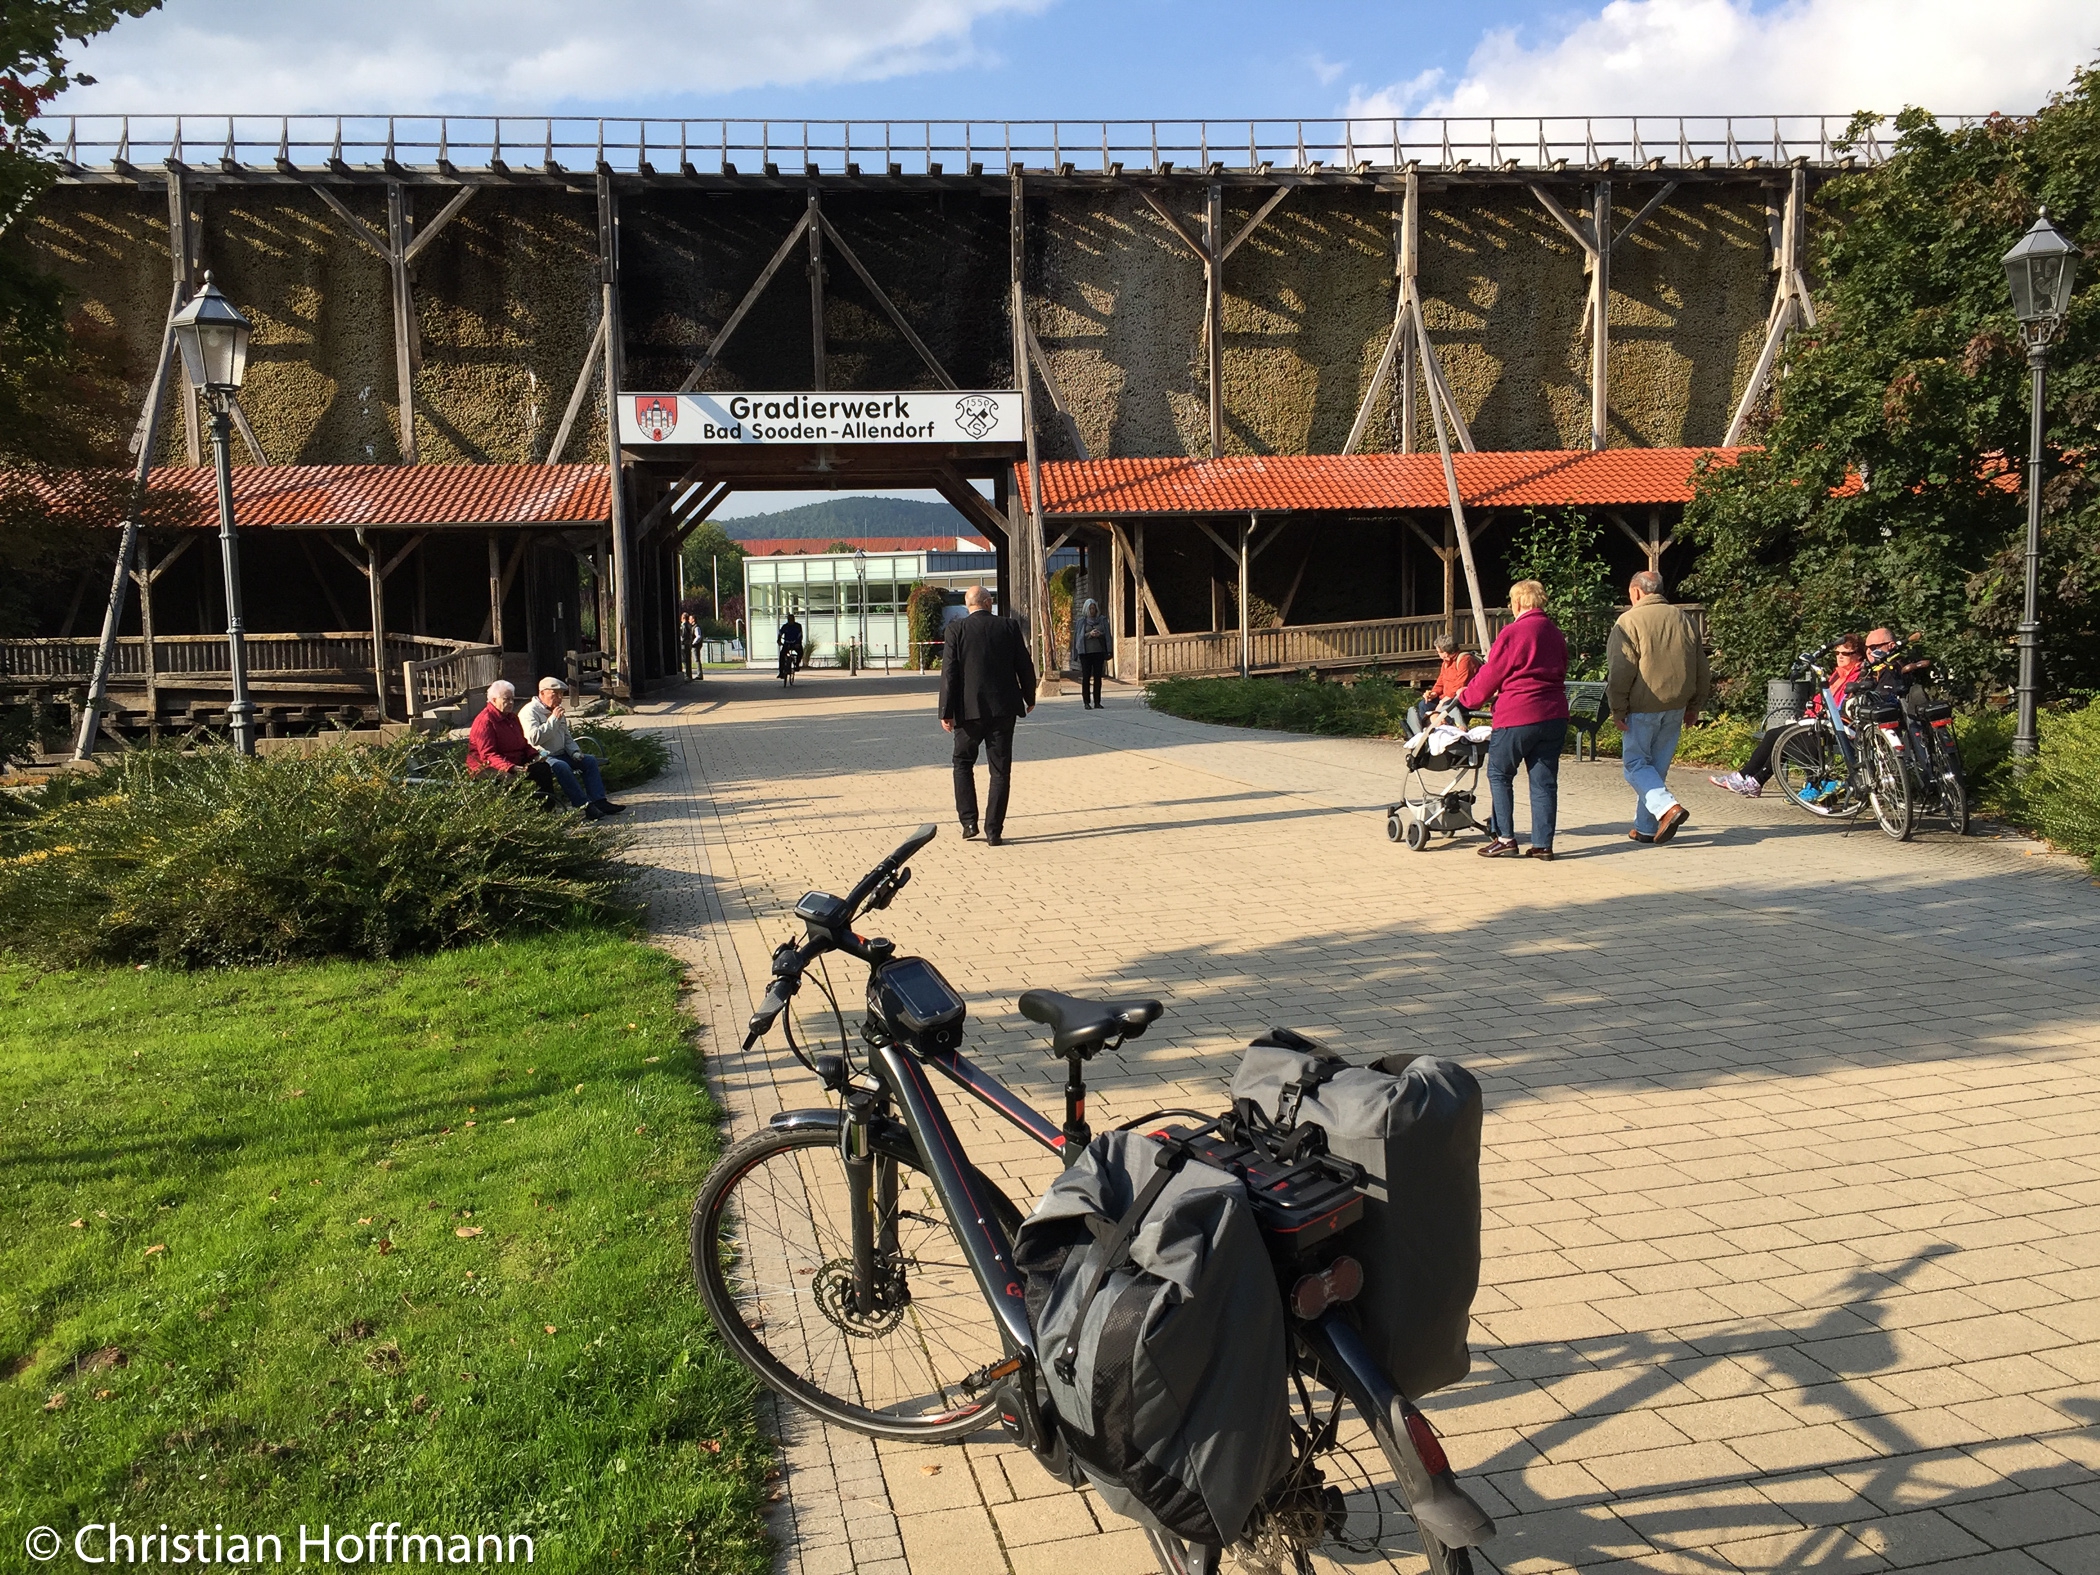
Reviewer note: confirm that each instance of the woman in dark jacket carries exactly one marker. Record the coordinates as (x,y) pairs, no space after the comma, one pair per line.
(1526,676)
(1090,651)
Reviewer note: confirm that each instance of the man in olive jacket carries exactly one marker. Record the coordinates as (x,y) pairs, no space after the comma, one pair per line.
(1659,682)
(987,684)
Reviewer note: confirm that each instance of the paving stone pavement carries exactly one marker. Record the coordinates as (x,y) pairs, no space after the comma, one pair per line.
(1792,1161)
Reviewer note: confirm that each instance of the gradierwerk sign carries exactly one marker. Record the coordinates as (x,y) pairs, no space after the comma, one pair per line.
(916,416)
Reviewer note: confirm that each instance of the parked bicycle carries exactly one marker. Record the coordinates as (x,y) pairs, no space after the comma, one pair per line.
(859,1262)
(1931,752)
(1847,758)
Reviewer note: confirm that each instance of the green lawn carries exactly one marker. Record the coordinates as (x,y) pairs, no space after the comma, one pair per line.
(354,1242)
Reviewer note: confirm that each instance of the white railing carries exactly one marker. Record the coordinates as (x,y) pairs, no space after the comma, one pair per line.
(445,145)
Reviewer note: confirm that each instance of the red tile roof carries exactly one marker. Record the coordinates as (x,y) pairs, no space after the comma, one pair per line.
(382,496)
(1266,483)
(789,546)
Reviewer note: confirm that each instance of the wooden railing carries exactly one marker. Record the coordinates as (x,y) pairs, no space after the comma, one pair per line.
(1410,641)
(441,680)
(203,661)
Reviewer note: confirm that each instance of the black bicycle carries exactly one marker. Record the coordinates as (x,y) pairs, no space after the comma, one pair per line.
(1932,754)
(1847,758)
(858,1262)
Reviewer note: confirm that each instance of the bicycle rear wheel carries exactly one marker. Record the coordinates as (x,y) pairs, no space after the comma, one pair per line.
(1888,787)
(772,1247)
(1810,771)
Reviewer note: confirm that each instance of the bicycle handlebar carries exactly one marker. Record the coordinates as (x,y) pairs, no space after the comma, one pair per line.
(789,960)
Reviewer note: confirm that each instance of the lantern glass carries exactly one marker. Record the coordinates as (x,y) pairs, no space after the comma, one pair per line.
(213,338)
(2040,269)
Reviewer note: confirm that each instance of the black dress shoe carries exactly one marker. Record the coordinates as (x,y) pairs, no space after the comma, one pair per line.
(607,807)
(969,833)
(992,839)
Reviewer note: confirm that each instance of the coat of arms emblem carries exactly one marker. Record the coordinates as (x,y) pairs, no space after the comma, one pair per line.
(976,414)
(656,414)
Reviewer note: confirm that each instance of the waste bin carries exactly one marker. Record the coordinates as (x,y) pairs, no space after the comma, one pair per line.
(1785,699)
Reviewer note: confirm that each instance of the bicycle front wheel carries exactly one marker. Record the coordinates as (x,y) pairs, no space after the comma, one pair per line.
(1888,787)
(772,1246)
(1810,771)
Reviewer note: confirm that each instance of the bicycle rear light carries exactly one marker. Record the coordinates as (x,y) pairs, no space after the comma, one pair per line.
(1427,1445)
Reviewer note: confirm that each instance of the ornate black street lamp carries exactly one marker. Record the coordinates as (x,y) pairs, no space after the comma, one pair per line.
(2040,269)
(213,337)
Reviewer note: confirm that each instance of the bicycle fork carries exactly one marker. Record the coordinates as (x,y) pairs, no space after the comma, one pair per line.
(871,1190)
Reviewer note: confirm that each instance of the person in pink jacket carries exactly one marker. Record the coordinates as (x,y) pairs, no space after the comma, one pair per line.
(1525,677)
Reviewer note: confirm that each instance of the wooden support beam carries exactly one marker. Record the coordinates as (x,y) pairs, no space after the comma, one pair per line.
(1246,560)
(376,585)
(1791,302)
(693,519)
(1600,315)
(1056,392)
(1175,225)
(313,561)
(1440,395)
(1214,312)
(1116,567)
(720,341)
(1283,611)
(247,432)
(404,328)
(672,495)
(1026,580)
(168,560)
(1254,223)
(625,677)
(882,300)
(1576,232)
(145,581)
(1647,209)
(446,215)
(360,231)
(966,500)
(182,260)
(584,374)
(816,290)
(1231,553)
(492,626)
(1428,540)
(1393,341)
(1256,548)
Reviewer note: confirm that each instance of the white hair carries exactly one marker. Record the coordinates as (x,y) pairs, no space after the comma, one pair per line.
(1090,607)
(502,689)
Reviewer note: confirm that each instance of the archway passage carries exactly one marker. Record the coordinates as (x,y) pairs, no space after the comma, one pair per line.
(676,487)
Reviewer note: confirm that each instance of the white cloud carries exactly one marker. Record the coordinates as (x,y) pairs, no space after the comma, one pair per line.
(523,56)
(1723,57)
(1324,70)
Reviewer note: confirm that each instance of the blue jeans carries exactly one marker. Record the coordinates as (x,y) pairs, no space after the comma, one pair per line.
(1651,744)
(589,790)
(1536,745)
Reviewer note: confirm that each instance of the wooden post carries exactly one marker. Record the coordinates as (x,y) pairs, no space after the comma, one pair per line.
(404,327)
(411,693)
(621,649)
(1246,627)
(1450,559)
(816,290)
(1600,315)
(1137,572)
(1790,300)
(376,584)
(145,577)
(1027,581)
(495,594)
(1116,570)
(1214,310)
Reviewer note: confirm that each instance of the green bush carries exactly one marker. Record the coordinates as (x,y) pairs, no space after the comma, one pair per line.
(630,758)
(208,858)
(2060,795)
(922,615)
(1373,706)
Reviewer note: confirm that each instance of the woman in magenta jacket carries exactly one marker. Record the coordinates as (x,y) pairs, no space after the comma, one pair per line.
(1526,679)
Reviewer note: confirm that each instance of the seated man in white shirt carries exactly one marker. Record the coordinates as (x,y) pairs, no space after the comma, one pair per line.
(547,730)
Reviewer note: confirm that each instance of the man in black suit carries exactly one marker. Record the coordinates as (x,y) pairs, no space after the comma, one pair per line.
(987,684)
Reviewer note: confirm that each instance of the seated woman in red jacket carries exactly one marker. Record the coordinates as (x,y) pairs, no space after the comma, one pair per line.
(1526,677)
(1455,669)
(496,743)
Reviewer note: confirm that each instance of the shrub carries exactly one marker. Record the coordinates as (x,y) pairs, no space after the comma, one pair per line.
(922,615)
(2060,795)
(1371,707)
(209,858)
(630,758)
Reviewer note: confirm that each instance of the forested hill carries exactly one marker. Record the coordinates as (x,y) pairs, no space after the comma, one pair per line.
(846,518)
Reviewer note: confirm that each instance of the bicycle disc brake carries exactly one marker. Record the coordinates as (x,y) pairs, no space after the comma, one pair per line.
(833,1289)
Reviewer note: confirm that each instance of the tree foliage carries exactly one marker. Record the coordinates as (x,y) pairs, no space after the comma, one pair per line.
(1559,548)
(1887,489)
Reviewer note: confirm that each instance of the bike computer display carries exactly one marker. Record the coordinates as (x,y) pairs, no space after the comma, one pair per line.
(917,1005)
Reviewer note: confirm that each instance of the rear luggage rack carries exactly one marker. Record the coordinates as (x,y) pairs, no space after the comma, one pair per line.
(1302,1195)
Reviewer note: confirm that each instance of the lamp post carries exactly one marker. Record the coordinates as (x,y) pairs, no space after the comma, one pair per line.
(2039,268)
(860,568)
(213,338)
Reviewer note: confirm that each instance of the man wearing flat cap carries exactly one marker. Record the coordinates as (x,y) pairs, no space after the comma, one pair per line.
(547,728)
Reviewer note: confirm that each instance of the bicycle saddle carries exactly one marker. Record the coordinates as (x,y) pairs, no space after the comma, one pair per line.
(1082,1027)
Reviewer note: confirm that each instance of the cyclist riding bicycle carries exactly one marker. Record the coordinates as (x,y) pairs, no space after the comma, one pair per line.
(790,646)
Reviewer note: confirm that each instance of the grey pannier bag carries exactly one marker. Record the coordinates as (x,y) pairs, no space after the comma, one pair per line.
(1161,1331)
(1413,1123)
